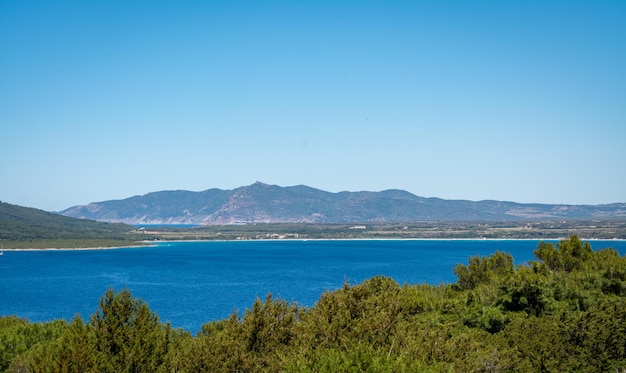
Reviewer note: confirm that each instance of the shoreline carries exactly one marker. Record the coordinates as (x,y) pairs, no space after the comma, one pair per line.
(79,248)
(393,239)
(154,243)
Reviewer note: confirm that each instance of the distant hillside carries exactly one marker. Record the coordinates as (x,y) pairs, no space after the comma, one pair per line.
(24,224)
(263,203)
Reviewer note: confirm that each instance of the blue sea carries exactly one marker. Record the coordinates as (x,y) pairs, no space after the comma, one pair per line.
(191,283)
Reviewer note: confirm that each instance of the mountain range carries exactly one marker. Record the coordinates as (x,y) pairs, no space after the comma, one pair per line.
(263,203)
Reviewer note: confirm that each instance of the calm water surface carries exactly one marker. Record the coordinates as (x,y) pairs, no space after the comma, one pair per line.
(191,283)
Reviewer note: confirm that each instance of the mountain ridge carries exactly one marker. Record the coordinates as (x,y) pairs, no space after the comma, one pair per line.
(30,225)
(265,203)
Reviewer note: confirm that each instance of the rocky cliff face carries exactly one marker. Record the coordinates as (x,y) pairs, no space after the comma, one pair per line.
(263,203)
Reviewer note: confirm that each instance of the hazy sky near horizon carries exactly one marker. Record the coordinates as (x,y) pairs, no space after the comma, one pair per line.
(510,100)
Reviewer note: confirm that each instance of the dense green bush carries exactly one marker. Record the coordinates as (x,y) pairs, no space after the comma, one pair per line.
(564,312)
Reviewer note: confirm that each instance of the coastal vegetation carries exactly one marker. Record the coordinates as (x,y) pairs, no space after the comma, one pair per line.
(564,311)
(542,230)
(24,227)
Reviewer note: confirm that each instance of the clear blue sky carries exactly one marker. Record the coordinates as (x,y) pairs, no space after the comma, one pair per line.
(509,100)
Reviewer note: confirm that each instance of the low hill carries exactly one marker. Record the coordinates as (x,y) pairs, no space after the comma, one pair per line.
(263,203)
(29,227)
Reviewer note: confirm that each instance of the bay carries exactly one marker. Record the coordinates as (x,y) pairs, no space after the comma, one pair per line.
(191,283)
